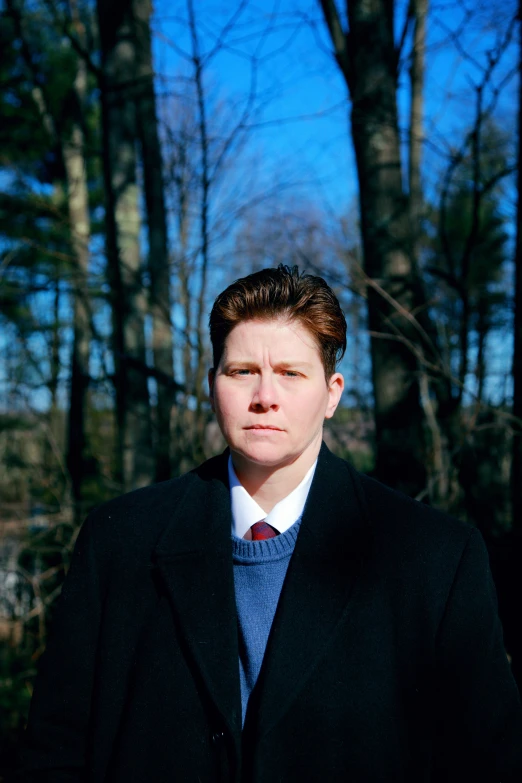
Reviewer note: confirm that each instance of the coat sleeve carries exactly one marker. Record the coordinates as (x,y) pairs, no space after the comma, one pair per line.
(54,747)
(479,715)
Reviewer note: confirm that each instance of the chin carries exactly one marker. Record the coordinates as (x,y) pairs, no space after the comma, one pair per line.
(261,454)
(266,458)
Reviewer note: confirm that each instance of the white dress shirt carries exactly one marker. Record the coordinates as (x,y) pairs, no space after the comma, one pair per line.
(246,511)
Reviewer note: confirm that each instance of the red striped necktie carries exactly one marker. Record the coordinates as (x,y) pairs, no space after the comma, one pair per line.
(262,530)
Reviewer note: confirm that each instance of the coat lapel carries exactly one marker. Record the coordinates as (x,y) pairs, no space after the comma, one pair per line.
(333,541)
(194,558)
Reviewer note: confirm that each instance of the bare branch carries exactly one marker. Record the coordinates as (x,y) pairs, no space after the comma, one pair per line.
(339,39)
(407,24)
(226,29)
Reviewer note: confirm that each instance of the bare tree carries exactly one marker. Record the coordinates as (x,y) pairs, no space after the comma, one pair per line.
(516,468)
(419,12)
(67,135)
(158,263)
(122,225)
(368,59)
(204,225)
(78,201)
(204,139)
(469,254)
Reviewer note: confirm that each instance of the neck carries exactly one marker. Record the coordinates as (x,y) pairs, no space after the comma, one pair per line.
(268,485)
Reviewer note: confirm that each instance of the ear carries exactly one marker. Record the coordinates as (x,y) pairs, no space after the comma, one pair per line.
(335,390)
(211,376)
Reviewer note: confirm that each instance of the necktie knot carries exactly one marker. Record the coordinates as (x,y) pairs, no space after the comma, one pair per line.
(262,530)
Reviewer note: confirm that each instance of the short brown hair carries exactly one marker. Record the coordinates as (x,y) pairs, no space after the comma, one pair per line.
(282,293)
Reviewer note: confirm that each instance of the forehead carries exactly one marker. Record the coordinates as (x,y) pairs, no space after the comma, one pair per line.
(277,335)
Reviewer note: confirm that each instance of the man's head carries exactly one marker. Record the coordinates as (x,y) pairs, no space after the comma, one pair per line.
(282,293)
(276,337)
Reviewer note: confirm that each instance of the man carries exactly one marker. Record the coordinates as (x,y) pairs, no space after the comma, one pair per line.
(273,615)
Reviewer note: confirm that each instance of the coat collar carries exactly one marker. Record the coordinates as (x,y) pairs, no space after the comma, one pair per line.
(194,557)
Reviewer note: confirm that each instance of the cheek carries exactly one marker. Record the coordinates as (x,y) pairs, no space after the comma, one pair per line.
(225,407)
(311,407)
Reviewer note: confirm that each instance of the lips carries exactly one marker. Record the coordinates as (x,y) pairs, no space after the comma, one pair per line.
(264,427)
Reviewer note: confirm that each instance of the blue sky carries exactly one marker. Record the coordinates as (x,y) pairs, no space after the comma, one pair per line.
(304,122)
(300,132)
(301,124)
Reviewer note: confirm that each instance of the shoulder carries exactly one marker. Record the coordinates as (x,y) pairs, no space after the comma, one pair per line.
(137,519)
(423,556)
(409,538)
(387,507)
(412,537)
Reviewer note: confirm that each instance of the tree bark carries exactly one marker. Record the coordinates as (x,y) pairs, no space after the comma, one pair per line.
(482,330)
(159,267)
(516,466)
(181,178)
(200,418)
(419,9)
(79,378)
(134,452)
(368,59)
(80,228)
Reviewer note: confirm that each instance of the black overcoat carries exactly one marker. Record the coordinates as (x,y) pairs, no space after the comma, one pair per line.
(385,661)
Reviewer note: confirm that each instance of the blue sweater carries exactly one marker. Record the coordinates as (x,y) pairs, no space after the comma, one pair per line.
(259,572)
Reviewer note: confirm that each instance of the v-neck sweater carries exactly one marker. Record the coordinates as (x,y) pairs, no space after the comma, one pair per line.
(259,572)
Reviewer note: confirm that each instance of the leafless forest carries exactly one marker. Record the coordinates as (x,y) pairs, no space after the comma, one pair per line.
(134,186)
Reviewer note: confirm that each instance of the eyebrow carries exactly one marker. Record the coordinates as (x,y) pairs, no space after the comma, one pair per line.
(249,365)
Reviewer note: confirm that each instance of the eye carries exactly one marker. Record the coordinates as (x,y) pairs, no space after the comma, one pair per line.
(241,371)
(291,373)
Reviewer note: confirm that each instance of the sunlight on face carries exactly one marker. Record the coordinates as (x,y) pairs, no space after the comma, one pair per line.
(270,395)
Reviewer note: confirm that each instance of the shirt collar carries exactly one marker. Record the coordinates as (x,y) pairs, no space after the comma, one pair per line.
(246,511)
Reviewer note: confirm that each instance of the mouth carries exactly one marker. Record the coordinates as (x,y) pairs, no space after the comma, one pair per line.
(264,427)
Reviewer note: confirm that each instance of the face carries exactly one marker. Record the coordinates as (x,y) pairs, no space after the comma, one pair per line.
(270,395)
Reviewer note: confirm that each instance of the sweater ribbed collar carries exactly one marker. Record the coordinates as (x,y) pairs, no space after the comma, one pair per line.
(268,551)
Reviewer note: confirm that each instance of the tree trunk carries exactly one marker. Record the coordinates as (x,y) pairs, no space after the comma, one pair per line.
(516,467)
(134,457)
(185,429)
(78,208)
(200,418)
(79,219)
(482,333)
(53,415)
(55,364)
(368,60)
(159,267)
(419,10)
(79,378)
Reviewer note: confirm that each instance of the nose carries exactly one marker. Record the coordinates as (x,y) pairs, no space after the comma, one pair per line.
(265,394)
